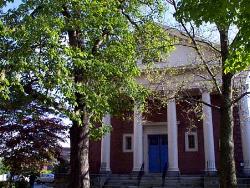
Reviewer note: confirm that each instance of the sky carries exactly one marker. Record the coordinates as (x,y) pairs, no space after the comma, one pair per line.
(12,5)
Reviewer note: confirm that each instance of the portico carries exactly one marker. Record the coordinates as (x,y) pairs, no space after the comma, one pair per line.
(144,131)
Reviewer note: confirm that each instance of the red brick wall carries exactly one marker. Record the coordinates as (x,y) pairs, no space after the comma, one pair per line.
(155,112)
(189,162)
(237,134)
(121,162)
(237,141)
(94,156)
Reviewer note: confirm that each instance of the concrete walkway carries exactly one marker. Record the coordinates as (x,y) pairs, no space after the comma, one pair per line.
(42,186)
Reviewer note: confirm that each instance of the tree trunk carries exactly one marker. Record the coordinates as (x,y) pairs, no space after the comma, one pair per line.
(227,164)
(79,152)
(79,140)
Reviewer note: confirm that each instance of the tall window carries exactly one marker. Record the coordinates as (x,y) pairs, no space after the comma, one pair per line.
(127,143)
(191,141)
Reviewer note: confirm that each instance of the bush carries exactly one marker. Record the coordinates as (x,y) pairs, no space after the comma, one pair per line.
(3,184)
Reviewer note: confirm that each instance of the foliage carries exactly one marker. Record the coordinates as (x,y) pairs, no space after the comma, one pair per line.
(3,168)
(29,141)
(234,57)
(79,57)
(108,34)
(62,166)
(228,13)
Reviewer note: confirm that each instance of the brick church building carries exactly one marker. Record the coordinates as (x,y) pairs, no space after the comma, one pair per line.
(161,140)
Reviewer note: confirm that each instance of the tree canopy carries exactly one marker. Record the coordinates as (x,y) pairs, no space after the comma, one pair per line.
(228,14)
(37,53)
(79,57)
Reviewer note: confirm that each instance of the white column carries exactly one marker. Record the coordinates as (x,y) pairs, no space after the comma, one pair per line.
(245,128)
(210,168)
(138,140)
(173,169)
(105,147)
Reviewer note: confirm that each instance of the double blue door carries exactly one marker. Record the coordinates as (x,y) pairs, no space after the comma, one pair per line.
(158,153)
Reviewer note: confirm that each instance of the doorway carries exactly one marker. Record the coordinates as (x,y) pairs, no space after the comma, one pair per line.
(157,153)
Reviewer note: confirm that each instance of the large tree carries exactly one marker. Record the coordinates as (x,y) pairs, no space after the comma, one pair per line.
(234,57)
(80,58)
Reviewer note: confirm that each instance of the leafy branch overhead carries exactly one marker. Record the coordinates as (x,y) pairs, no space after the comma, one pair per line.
(228,14)
(109,38)
(234,62)
(79,58)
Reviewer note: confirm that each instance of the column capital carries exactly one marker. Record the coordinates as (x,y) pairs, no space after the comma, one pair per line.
(205,91)
(172,100)
(106,119)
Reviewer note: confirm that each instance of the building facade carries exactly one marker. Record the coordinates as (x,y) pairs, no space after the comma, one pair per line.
(166,139)
(164,142)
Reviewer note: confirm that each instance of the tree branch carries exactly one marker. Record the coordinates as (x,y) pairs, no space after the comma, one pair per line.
(207,104)
(209,44)
(99,41)
(236,38)
(36,10)
(240,97)
(199,101)
(129,19)
(40,97)
(197,49)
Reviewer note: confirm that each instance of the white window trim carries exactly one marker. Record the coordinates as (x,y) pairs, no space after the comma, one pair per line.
(124,143)
(195,141)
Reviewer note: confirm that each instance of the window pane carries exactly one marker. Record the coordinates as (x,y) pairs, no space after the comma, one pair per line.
(153,140)
(128,143)
(164,140)
(191,141)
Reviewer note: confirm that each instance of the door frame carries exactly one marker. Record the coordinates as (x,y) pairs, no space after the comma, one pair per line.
(153,129)
(159,152)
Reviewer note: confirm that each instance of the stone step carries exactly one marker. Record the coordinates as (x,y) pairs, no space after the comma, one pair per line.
(147,181)
(158,178)
(243,185)
(155,180)
(166,186)
(244,181)
(155,184)
(149,186)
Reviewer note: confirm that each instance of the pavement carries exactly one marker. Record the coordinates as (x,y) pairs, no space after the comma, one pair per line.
(42,186)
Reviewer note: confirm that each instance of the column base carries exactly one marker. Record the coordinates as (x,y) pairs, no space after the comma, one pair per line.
(246,172)
(210,168)
(104,169)
(138,171)
(172,173)
(211,173)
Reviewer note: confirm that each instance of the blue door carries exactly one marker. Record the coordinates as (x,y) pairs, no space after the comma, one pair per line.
(158,153)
